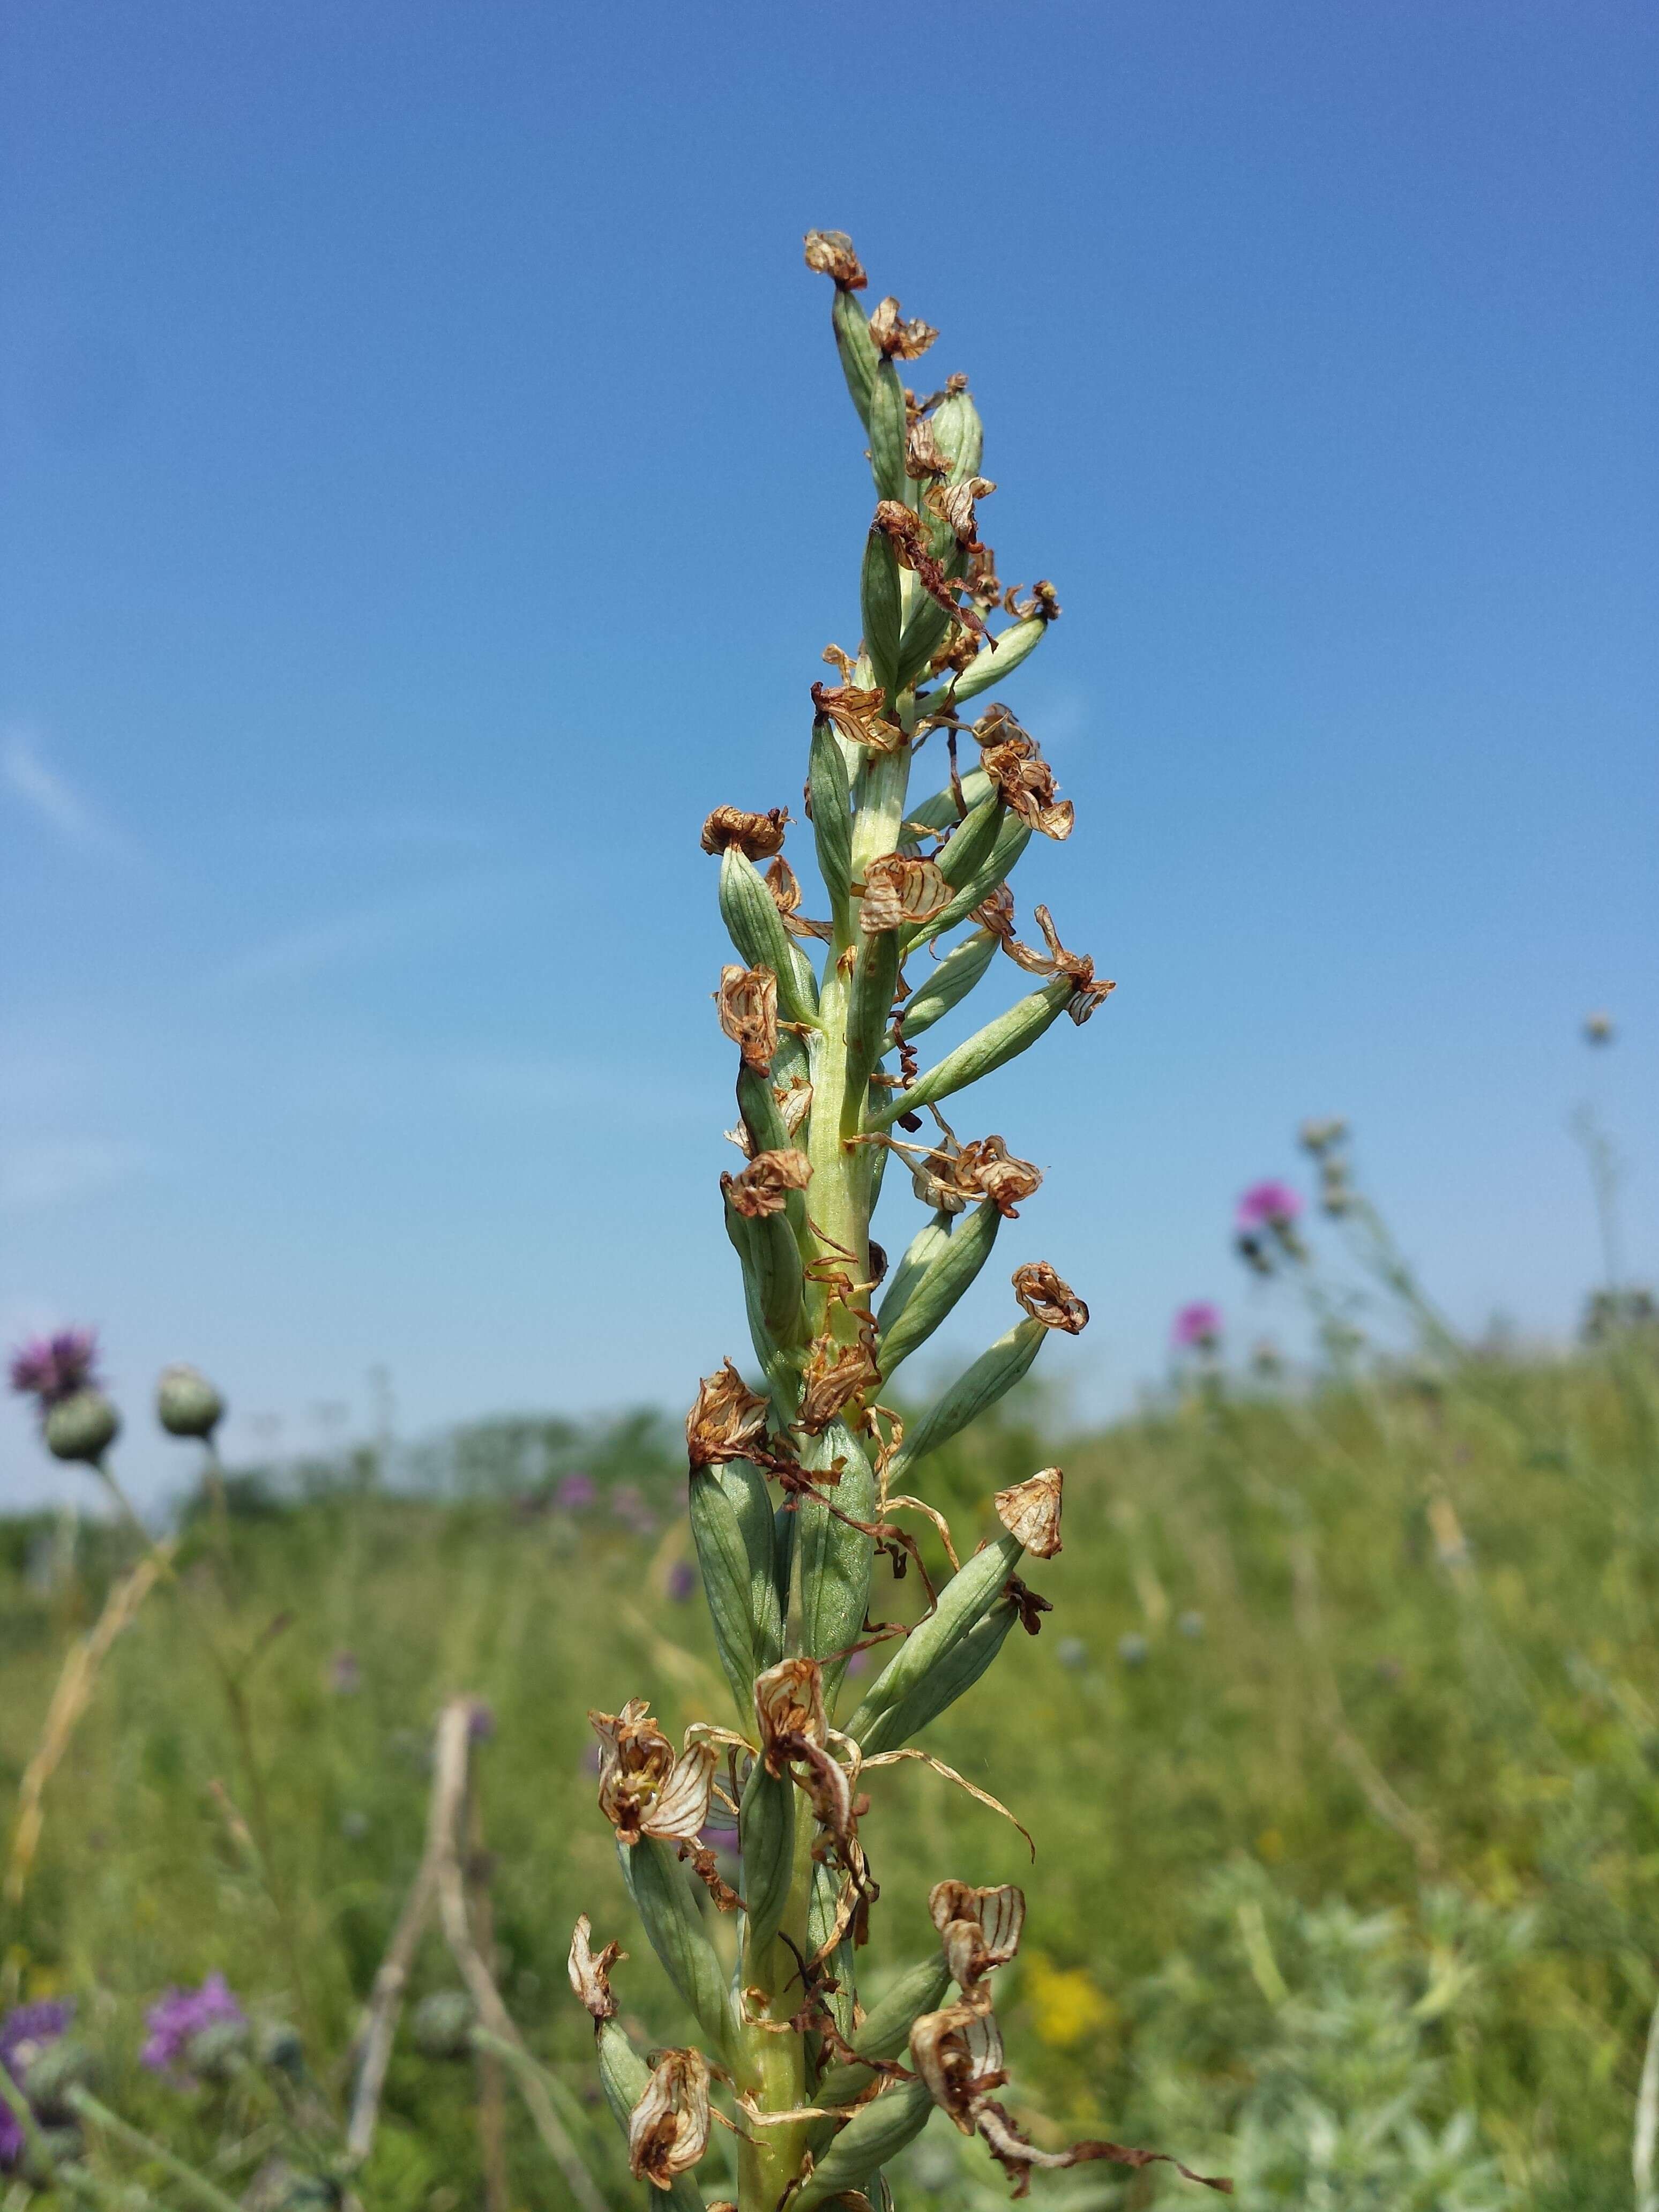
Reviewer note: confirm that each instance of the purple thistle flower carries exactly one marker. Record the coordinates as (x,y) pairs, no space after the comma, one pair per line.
(1269,1205)
(1197,1327)
(575,1492)
(179,2015)
(681,1580)
(53,1368)
(24,2032)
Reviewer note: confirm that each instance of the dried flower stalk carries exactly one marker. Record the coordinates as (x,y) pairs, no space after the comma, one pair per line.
(793,1482)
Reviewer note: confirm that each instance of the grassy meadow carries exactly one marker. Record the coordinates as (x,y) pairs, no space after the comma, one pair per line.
(1340,1747)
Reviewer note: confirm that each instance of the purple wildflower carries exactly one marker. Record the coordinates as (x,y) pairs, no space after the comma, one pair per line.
(345,1676)
(480,1723)
(1197,1327)
(53,1368)
(179,2015)
(1269,1205)
(575,1492)
(681,1580)
(24,2032)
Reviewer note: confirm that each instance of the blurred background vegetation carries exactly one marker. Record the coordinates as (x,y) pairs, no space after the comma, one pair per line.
(1340,1748)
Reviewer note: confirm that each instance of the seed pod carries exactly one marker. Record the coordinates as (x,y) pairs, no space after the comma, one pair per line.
(924,1246)
(989,1049)
(768,1833)
(666,1898)
(772,1264)
(832,826)
(860,359)
(763,1117)
(81,1426)
(923,634)
(822,1902)
(886,2030)
(1012,840)
(968,1595)
(949,983)
(887,433)
(965,1254)
(751,917)
(1013,645)
(959,435)
(623,2076)
(868,1005)
(966,852)
(955,1674)
(730,1512)
(992,1375)
(832,1561)
(882,609)
(874,2134)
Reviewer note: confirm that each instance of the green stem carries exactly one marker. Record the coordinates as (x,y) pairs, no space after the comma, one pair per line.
(194,2186)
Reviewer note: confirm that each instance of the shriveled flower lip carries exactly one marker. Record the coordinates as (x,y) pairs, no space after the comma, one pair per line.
(756,836)
(830,253)
(1030,1511)
(764,1187)
(1048,1299)
(590,1971)
(747,1003)
(898,890)
(645,1788)
(894,336)
(668,2128)
(855,713)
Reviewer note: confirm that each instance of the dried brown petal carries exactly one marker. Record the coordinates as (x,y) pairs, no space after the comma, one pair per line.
(894,336)
(789,1710)
(764,1187)
(832,1375)
(1012,760)
(907,533)
(758,836)
(1027,1604)
(990,1922)
(747,1002)
(922,457)
(1049,1300)
(996,913)
(590,1971)
(856,713)
(1030,1511)
(898,890)
(958,2054)
(1042,606)
(668,2128)
(795,1103)
(727,1420)
(954,504)
(830,252)
(987,1166)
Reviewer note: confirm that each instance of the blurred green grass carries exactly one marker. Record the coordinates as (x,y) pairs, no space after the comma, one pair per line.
(1390,1645)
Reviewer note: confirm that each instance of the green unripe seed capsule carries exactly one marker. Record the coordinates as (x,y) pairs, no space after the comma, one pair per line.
(882,601)
(887,433)
(949,1678)
(767,1829)
(971,844)
(939,812)
(623,2076)
(832,1561)
(965,1253)
(859,355)
(969,1593)
(666,1899)
(949,983)
(987,1049)
(987,667)
(924,1246)
(992,1375)
(832,822)
(731,1515)
(755,927)
(875,2134)
(1012,840)
(886,2030)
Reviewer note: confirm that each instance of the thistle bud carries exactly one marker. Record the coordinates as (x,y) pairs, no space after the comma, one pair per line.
(54,2071)
(186,1403)
(81,1426)
(441,2025)
(216,2052)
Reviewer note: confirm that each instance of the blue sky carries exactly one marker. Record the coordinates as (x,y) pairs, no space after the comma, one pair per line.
(428,488)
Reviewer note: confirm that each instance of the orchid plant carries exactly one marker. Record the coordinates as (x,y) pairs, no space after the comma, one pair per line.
(797,1486)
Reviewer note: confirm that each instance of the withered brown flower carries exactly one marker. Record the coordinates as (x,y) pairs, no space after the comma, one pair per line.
(833,1375)
(1030,1511)
(954,504)
(747,1002)
(980,1928)
(790,1710)
(1027,1604)
(830,252)
(727,1421)
(907,533)
(856,713)
(1049,1300)
(764,1187)
(898,889)
(758,836)
(894,336)
(1011,759)
(988,1168)
(668,2128)
(590,1971)
(646,1789)
(922,457)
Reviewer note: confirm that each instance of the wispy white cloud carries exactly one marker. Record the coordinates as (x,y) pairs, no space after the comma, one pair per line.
(58,1170)
(56,802)
(393,925)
